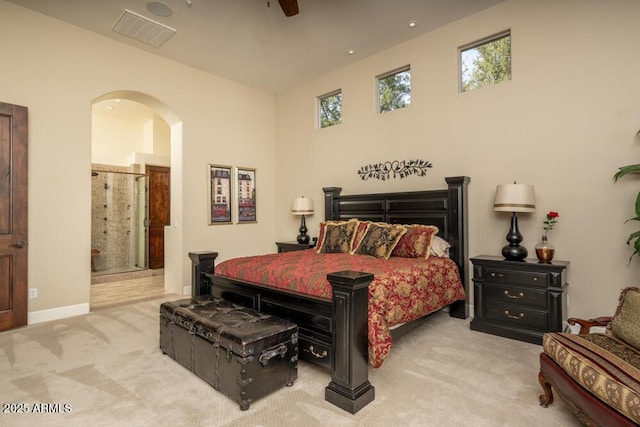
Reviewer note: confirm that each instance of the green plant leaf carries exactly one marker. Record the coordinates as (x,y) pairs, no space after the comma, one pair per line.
(632,236)
(622,171)
(636,248)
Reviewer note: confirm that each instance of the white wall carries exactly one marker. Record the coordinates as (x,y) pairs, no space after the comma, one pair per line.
(57,70)
(564,123)
(113,140)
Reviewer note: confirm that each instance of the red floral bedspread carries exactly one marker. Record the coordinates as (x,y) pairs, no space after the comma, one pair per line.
(403,289)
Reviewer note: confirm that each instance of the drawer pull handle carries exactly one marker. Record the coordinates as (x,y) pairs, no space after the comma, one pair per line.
(318,355)
(535,279)
(506,312)
(499,275)
(519,296)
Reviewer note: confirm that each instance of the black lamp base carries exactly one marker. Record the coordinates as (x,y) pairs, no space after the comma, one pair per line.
(303,237)
(513,251)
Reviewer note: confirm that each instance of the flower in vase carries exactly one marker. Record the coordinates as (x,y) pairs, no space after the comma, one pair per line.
(552,218)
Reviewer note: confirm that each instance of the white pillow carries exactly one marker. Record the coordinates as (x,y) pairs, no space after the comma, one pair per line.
(439,247)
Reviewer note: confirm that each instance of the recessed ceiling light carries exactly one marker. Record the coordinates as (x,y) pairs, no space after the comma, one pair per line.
(412,24)
(159,9)
(350,52)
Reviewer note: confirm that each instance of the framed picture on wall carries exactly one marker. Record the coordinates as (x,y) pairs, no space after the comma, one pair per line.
(246,179)
(220,193)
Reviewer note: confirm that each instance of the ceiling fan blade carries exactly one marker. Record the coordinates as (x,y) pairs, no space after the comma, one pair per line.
(289,7)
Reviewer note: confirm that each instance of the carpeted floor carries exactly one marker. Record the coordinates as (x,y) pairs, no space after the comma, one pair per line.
(105,369)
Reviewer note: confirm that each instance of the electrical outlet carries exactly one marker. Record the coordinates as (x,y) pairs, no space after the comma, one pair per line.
(33,293)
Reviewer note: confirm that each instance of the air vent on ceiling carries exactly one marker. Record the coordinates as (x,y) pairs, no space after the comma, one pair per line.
(142,29)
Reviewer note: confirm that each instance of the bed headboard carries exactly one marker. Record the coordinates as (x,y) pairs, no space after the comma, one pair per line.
(446,209)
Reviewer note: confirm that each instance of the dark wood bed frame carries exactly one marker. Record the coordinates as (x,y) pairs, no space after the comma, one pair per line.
(333,333)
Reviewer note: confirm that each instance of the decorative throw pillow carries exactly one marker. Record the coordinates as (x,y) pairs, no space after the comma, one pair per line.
(338,237)
(439,247)
(380,239)
(360,232)
(416,242)
(625,324)
(323,226)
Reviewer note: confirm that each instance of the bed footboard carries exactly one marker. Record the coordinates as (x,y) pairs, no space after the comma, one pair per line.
(331,333)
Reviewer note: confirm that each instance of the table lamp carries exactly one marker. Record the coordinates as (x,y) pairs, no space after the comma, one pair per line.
(302,206)
(514,198)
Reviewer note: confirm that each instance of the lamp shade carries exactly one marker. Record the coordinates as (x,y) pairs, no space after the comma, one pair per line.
(515,198)
(302,206)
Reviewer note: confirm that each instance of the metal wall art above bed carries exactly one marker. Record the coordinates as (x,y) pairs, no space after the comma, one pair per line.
(395,169)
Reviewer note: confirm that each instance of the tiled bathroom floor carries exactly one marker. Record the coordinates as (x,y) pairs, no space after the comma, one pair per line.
(125,289)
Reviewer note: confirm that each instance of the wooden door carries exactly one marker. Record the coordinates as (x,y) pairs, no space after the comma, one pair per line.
(159,185)
(13,216)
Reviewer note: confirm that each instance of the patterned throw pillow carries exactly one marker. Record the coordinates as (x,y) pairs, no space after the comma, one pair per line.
(625,324)
(416,242)
(439,247)
(360,232)
(380,239)
(323,226)
(337,237)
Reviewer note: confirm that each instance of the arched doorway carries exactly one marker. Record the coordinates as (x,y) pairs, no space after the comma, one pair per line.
(161,120)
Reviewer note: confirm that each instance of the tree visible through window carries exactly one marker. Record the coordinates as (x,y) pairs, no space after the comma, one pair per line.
(330,109)
(486,62)
(394,90)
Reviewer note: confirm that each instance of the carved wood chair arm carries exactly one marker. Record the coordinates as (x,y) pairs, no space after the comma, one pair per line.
(586,325)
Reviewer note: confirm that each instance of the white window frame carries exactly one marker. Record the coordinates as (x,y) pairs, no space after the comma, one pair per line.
(319,100)
(476,44)
(388,74)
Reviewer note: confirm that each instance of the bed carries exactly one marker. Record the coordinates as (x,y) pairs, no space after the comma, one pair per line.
(333,329)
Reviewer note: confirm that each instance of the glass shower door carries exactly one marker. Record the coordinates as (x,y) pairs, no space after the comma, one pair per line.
(118,225)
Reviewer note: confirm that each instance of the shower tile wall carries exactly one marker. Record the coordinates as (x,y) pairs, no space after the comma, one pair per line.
(114,219)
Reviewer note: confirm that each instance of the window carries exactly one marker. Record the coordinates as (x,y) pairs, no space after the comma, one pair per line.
(485,62)
(394,90)
(330,109)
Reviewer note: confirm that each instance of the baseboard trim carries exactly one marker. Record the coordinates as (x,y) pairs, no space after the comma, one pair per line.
(57,313)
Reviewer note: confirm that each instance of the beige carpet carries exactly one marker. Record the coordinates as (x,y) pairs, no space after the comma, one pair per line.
(107,368)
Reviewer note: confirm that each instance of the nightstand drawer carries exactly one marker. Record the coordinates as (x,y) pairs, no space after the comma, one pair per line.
(515,277)
(516,295)
(516,316)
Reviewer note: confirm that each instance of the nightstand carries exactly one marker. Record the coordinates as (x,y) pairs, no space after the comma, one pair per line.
(293,246)
(519,299)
